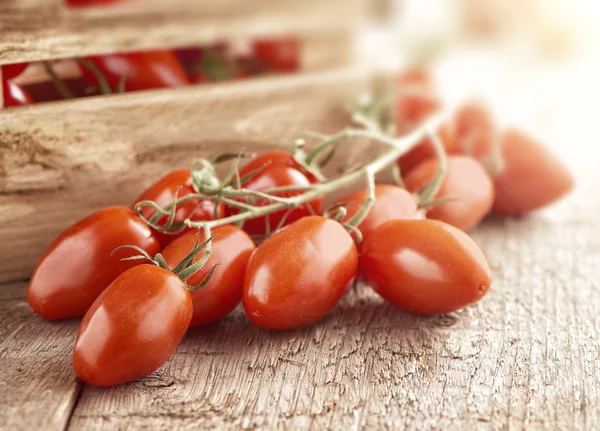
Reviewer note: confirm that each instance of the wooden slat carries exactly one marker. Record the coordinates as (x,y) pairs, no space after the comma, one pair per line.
(61,161)
(38,388)
(45,29)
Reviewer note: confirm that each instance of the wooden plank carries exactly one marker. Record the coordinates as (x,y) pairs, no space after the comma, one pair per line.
(61,161)
(38,388)
(45,29)
(526,357)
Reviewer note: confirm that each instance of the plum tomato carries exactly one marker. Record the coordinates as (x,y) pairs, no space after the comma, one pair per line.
(163,193)
(299,274)
(133,327)
(274,176)
(425,266)
(391,203)
(280,54)
(231,249)
(78,265)
(466,182)
(474,130)
(532,177)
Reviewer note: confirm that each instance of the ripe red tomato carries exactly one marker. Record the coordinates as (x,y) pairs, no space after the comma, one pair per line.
(163,193)
(133,328)
(10,71)
(142,70)
(231,249)
(87,3)
(78,265)
(475,129)
(275,157)
(279,55)
(425,266)
(299,274)
(391,203)
(466,180)
(532,177)
(14,95)
(274,176)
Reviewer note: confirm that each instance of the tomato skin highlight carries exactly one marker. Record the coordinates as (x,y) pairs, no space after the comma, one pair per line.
(274,176)
(143,70)
(425,266)
(133,328)
(298,274)
(391,203)
(78,265)
(532,178)
(14,95)
(466,180)
(163,193)
(231,249)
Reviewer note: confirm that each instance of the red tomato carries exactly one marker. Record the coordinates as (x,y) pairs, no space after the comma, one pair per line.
(299,274)
(87,3)
(231,249)
(475,129)
(78,265)
(391,203)
(10,71)
(275,157)
(14,95)
(275,176)
(532,177)
(163,193)
(142,70)
(425,266)
(133,328)
(279,55)
(466,181)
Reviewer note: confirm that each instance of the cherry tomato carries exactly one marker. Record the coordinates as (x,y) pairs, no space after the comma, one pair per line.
(163,193)
(87,3)
(279,55)
(78,265)
(142,70)
(271,177)
(391,203)
(475,129)
(275,157)
(425,266)
(532,177)
(231,249)
(10,71)
(466,181)
(133,328)
(299,274)
(14,95)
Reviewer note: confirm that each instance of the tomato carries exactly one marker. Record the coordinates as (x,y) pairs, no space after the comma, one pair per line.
(299,274)
(532,178)
(141,70)
(425,266)
(78,265)
(14,95)
(231,249)
(10,71)
(279,55)
(163,193)
(466,181)
(475,129)
(273,176)
(87,3)
(275,157)
(391,203)
(133,328)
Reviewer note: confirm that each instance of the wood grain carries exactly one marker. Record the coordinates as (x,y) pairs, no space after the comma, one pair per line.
(61,161)
(45,29)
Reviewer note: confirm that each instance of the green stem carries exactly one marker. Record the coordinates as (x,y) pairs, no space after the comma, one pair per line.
(60,85)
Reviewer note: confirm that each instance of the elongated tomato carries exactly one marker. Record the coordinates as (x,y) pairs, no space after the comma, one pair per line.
(466,182)
(78,265)
(475,129)
(299,274)
(425,266)
(532,178)
(133,328)
(231,249)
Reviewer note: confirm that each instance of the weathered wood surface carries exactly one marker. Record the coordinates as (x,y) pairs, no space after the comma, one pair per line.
(32,30)
(526,357)
(60,162)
